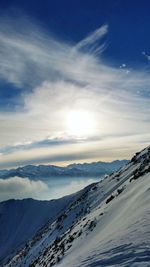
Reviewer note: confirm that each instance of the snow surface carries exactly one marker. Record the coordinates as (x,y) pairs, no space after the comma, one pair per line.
(107,224)
(122,236)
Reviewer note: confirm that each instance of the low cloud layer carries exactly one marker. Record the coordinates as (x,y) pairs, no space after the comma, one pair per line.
(72,187)
(19,188)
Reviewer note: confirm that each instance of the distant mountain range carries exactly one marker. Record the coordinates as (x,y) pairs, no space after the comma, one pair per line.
(94,169)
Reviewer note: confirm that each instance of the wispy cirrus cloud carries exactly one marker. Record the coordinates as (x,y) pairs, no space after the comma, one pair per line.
(29,55)
(92,41)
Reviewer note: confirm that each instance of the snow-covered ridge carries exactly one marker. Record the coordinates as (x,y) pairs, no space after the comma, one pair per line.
(73,170)
(21,219)
(106,224)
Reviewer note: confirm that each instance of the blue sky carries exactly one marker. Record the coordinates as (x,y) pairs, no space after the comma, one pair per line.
(74,80)
(72,20)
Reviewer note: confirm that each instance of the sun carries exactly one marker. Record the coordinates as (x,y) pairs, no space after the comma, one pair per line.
(81,123)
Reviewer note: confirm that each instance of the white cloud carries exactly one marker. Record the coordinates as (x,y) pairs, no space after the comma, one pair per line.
(64,77)
(18,188)
(91,39)
(146,55)
(71,188)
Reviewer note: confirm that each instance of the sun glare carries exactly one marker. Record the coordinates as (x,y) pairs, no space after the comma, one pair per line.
(81,123)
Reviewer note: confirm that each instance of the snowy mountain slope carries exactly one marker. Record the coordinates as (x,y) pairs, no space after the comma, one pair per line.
(108,224)
(73,170)
(20,220)
(121,237)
